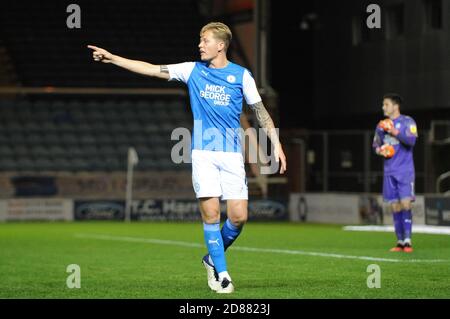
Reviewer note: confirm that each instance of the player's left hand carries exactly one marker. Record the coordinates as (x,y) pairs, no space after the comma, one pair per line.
(388,126)
(279,156)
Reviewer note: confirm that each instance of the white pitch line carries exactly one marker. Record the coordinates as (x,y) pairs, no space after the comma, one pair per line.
(251,249)
(419,229)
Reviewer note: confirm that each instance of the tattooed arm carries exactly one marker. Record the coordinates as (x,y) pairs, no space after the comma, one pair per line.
(266,122)
(158,71)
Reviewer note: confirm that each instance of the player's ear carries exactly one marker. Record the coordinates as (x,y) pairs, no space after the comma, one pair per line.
(221,46)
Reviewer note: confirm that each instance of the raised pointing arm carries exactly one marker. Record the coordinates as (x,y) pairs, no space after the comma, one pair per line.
(144,68)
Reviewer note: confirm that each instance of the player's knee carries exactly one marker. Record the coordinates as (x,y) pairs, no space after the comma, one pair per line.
(239,221)
(406,205)
(396,207)
(211,217)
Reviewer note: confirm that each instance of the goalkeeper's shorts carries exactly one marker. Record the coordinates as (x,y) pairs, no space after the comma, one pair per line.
(398,187)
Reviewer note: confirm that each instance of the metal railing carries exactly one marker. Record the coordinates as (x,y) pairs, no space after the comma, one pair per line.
(343,161)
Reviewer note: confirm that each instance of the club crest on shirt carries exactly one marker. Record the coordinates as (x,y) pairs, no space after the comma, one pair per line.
(231,78)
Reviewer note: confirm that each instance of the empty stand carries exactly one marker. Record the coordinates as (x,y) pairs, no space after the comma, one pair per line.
(54,135)
(44,52)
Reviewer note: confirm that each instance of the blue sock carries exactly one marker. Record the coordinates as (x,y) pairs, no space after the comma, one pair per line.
(407,224)
(229,233)
(214,243)
(398,225)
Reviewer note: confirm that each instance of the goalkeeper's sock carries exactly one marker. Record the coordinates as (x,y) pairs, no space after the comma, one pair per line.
(398,225)
(407,225)
(229,233)
(214,243)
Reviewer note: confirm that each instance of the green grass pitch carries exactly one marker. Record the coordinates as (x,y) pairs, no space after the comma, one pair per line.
(163,260)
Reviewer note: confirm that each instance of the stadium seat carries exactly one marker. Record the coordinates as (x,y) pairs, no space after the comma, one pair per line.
(6,151)
(25,164)
(7,164)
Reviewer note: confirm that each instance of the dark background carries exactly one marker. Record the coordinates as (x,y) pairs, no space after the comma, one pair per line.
(326,81)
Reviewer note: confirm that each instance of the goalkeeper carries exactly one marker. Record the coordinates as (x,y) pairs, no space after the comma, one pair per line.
(394,140)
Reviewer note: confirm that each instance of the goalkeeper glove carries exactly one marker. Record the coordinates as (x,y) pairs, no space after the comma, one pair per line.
(386,125)
(387,151)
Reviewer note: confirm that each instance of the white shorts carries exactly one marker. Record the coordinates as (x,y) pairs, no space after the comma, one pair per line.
(219,174)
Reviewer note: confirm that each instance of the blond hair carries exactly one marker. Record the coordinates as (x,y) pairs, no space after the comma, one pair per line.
(220,31)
